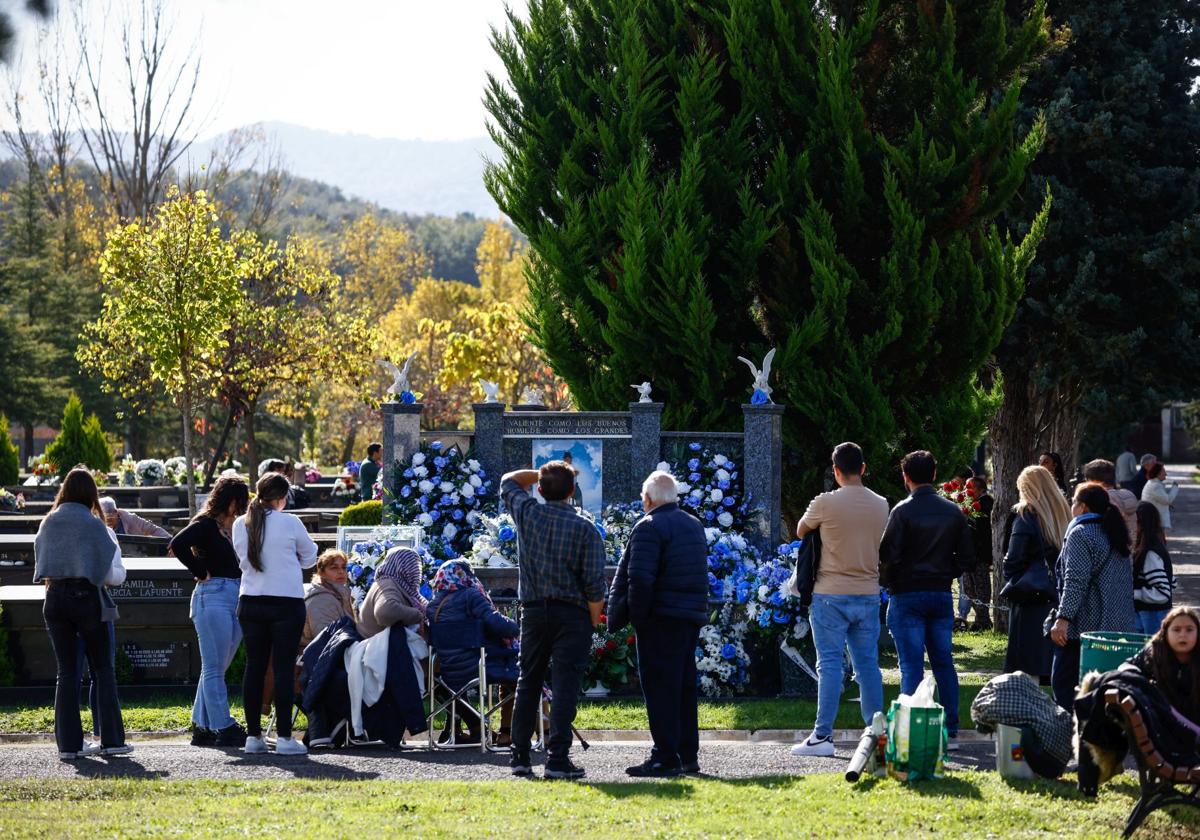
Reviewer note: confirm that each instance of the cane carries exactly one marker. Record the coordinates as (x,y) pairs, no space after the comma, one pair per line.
(547,694)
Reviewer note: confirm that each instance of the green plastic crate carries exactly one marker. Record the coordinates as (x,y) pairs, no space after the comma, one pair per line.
(1104,651)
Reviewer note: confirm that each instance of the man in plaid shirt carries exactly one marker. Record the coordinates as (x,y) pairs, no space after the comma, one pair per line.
(561,588)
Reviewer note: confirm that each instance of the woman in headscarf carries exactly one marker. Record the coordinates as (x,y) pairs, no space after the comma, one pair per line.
(459,597)
(395,596)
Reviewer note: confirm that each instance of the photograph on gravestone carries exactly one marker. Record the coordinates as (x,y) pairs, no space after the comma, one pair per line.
(406,536)
(586,457)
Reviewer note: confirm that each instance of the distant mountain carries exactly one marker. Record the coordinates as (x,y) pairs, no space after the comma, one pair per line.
(444,177)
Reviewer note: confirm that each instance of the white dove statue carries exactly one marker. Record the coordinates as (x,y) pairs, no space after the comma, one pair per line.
(490,389)
(531,396)
(643,392)
(399,375)
(761,377)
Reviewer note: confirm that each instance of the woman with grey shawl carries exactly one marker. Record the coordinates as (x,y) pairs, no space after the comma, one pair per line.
(74,554)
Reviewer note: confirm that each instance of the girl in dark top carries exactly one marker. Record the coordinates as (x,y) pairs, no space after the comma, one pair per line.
(1053,462)
(204,547)
(1153,577)
(1170,661)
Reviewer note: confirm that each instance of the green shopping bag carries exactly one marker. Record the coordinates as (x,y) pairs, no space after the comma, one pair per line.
(916,742)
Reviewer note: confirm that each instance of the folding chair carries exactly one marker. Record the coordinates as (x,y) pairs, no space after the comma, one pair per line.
(489,699)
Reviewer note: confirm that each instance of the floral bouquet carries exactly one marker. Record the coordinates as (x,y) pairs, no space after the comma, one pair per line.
(495,543)
(127,472)
(351,468)
(956,491)
(730,555)
(769,607)
(722,665)
(151,472)
(444,492)
(177,470)
(614,657)
(344,487)
(618,521)
(311,474)
(710,488)
(10,501)
(42,471)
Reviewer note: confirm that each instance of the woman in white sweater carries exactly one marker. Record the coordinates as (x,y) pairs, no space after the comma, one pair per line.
(272,548)
(1158,494)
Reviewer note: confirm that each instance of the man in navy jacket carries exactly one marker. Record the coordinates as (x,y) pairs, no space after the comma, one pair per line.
(661,587)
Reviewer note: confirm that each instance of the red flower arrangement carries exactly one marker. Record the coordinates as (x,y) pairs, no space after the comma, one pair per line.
(956,491)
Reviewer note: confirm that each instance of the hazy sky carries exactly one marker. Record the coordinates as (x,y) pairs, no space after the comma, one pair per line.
(388,68)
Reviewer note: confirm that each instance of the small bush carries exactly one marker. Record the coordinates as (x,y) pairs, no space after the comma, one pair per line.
(79,442)
(97,453)
(363,513)
(10,462)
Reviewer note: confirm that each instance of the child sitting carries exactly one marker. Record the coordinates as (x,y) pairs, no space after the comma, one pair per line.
(1171,662)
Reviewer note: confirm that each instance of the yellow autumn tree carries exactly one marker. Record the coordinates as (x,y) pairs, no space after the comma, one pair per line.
(380,262)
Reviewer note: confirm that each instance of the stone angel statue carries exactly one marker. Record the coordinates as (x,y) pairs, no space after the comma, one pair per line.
(531,396)
(399,375)
(490,390)
(761,377)
(643,392)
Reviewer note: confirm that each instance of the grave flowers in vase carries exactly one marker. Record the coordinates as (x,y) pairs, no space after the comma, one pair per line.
(444,492)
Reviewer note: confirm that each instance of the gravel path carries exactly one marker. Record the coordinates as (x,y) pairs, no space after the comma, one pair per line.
(604,762)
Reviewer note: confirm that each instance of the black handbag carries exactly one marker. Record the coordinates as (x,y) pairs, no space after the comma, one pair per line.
(1035,585)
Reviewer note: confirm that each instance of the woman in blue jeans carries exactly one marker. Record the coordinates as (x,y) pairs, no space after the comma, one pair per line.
(205,548)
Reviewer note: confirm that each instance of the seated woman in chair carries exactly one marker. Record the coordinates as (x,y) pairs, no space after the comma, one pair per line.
(458,596)
(326,598)
(395,596)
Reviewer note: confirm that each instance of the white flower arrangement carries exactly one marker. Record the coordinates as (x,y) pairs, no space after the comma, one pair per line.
(151,472)
(495,543)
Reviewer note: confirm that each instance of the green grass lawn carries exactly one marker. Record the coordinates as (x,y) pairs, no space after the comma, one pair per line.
(976,655)
(965,805)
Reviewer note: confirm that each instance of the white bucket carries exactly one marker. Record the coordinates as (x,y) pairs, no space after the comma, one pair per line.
(1010,758)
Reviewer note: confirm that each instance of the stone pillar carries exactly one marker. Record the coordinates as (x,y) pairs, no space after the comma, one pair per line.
(762,470)
(489,440)
(1167,415)
(646,445)
(401,438)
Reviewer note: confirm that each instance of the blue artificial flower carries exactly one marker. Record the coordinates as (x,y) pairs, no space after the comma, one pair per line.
(694,477)
(694,464)
(440,462)
(434,514)
(406,491)
(724,485)
(728,502)
(781,617)
(436,446)
(699,652)
(407,398)
(709,515)
(728,651)
(408,473)
(695,447)
(426,590)
(359,547)
(764,618)
(759,398)
(506,533)
(457,514)
(716,586)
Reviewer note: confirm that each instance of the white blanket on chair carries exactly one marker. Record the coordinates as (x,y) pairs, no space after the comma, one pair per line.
(366,673)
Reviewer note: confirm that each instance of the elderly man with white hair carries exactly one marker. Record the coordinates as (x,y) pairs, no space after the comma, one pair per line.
(127,522)
(661,587)
(1147,462)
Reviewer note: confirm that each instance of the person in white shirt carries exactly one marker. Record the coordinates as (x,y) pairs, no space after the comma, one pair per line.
(1158,494)
(272,547)
(1126,467)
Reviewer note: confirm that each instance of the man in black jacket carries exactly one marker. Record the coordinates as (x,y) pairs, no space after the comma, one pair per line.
(926,545)
(661,587)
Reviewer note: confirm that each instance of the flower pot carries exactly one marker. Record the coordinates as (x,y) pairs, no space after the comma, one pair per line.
(596,691)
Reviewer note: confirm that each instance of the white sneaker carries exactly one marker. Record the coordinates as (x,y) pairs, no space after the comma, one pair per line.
(813,745)
(254,745)
(290,746)
(122,749)
(89,748)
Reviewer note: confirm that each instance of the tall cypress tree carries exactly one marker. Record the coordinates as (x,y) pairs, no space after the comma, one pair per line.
(1108,328)
(700,180)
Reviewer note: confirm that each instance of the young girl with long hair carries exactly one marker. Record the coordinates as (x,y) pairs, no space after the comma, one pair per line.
(205,548)
(1171,661)
(1153,576)
(273,547)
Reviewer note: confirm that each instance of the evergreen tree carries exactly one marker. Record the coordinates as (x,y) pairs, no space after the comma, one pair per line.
(97,453)
(703,181)
(69,448)
(10,464)
(1108,328)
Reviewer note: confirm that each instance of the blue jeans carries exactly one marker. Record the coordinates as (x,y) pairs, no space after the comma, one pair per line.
(1148,621)
(920,622)
(838,621)
(94,688)
(214,612)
